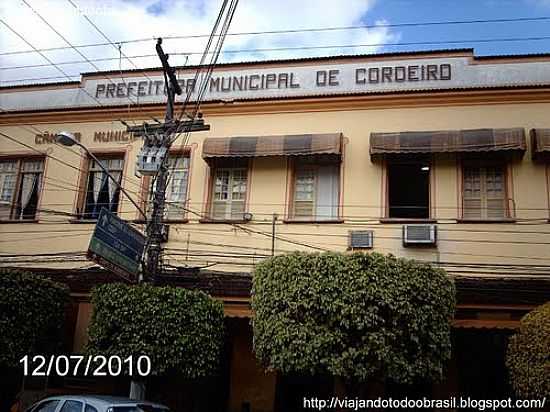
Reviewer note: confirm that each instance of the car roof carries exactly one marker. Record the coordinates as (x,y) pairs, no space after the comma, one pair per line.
(106,400)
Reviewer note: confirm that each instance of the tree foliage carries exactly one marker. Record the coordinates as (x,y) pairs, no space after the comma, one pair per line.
(353,316)
(32,315)
(180,330)
(528,355)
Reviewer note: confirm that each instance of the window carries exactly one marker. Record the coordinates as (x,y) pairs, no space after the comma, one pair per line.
(89,408)
(229,193)
(484,192)
(316,190)
(176,189)
(20,186)
(71,406)
(409,190)
(101,191)
(47,406)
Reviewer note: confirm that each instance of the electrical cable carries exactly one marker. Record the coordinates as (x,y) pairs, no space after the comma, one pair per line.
(50,61)
(325,47)
(86,60)
(301,30)
(45,154)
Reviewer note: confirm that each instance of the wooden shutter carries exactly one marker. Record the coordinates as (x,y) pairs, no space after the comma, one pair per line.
(494,192)
(472,193)
(484,193)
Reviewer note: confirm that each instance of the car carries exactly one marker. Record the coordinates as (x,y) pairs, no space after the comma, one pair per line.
(95,403)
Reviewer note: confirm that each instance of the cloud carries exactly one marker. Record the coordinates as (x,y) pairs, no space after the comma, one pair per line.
(148,19)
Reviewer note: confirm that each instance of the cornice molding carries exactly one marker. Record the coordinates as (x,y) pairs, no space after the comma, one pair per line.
(444,98)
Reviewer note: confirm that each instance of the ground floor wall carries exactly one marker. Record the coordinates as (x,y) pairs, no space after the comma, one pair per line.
(476,370)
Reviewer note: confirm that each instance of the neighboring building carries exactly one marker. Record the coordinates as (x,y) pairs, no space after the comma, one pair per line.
(439,156)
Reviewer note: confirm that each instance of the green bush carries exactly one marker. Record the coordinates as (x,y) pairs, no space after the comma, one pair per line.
(352,316)
(179,329)
(528,355)
(32,315)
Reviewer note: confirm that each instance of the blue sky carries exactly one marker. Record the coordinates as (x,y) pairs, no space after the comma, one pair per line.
(397,11)
(123,20)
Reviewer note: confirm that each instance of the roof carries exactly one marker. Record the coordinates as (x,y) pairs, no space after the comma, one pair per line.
(433,52)
(340,57)
(303,60)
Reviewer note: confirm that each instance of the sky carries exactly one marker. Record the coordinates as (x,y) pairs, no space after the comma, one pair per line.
(124,20)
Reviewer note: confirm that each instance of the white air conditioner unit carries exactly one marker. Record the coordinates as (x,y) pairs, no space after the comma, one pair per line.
(419,235)
(360,239)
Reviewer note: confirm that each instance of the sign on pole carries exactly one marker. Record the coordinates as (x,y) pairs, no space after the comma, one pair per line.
(116,246)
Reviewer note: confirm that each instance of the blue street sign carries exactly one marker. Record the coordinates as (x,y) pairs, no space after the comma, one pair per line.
(116,246)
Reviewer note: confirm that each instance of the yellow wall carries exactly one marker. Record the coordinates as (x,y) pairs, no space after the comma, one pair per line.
(525,241)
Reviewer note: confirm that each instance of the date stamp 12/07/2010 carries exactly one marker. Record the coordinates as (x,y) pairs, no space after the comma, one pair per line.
(80,365)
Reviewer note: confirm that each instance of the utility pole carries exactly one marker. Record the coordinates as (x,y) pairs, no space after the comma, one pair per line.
(152,161)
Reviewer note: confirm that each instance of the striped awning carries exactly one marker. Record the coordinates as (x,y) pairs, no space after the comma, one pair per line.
(443,141)
(540,143)
(283,145)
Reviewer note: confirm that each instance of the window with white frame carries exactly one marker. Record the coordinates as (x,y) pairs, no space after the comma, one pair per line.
(229,193)
(176,188)
(20,187)
(316,190)
(484,192)
(101,191)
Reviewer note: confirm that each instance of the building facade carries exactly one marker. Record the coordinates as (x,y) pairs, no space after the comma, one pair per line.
(438,156)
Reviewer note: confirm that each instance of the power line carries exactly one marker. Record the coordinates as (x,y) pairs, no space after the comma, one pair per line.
(325,47)
(81,54)
(294,31)
(63,253)
(119,49)
(49,61)
(345,224)
(217,233)
(236,225)
(441,263)
(343,236)
(13,139)
(259,232)
(102,59)
(490,268)
(420,43)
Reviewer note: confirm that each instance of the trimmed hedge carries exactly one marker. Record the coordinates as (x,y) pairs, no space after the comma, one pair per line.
(32,315)
(528,355)
(180,330)
(353,316)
